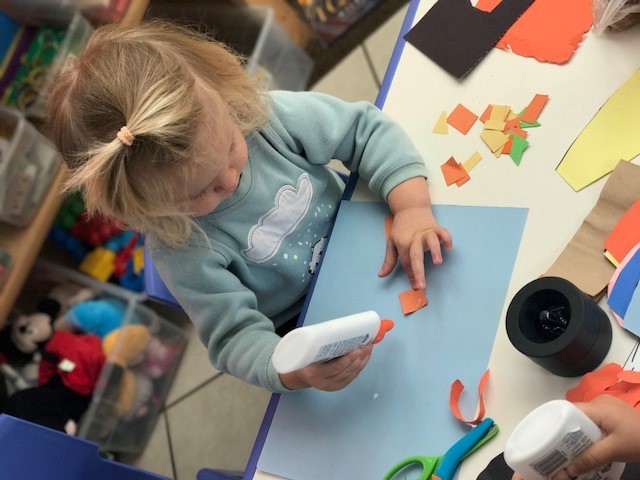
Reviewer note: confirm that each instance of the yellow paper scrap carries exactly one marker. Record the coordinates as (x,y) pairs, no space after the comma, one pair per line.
(472,161)
(495,140)
(511,115)
(611,136)
(611,258)
(494,125)
(499,112)
(441,127)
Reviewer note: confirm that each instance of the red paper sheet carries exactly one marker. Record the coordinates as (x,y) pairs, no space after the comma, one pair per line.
(625,235)
(610,379)
(550,30)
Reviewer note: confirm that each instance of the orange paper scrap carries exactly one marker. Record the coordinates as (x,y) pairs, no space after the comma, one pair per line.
(487,5)
(412,300)
(454,400)
(441,127)
(518,131)
(507,146)
(550,30)
(462,119)
(452,171)
(486,114)
(464,179)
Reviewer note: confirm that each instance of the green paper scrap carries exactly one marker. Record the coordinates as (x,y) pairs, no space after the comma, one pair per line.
(518,147)
(527,124)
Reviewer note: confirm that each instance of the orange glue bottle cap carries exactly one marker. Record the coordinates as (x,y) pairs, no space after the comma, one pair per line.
(385,326)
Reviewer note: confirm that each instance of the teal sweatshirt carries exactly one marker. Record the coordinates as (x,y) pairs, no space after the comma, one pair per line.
(265,241)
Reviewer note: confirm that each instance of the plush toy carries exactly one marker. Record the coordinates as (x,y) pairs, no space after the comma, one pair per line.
(23,336)
(68,371)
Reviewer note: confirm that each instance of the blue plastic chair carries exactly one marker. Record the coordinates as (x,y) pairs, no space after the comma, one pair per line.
(153,284)
(33,452)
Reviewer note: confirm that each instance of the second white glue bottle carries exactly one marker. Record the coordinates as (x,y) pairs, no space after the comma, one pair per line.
(549,438)
(323,341)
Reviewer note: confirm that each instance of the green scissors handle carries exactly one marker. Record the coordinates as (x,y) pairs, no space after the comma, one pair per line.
(430,464)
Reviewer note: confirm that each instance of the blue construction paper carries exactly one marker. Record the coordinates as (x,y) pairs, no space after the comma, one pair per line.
(632,317)
(624,287)
(354,433)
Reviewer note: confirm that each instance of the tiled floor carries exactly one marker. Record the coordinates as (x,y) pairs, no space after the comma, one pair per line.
(211,419)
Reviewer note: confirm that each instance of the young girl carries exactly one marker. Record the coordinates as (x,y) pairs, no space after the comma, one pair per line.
(162,129)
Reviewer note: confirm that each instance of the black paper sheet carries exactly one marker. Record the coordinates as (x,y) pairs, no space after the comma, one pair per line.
(456,35)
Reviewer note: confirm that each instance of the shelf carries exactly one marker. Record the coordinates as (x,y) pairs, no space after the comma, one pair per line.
(24,243)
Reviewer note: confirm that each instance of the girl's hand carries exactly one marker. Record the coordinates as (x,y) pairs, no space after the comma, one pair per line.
(413,232)
(332,375)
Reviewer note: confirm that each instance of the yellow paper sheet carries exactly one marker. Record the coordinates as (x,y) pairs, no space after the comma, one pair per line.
(611,136)
(472,161)
(441,127)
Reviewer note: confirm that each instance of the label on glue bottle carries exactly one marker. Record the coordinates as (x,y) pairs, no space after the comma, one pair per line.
(549,438)
(342,347)
(569,447)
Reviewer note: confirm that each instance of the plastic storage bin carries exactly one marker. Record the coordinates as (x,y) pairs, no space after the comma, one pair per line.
(28,162)
(29,95)
(250,31)
(152,372)
(36,12)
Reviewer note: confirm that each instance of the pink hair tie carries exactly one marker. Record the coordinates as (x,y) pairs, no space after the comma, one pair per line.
(125,136)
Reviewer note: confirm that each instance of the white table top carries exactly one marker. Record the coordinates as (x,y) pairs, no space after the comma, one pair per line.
(420,90)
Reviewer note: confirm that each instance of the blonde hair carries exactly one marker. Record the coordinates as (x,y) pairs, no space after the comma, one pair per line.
(148,78)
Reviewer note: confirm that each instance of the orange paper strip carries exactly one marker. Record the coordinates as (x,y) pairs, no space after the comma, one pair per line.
(462,119)
(454,400)
(532,112)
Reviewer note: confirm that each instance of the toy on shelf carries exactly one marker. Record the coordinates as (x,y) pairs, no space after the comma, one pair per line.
(105,250)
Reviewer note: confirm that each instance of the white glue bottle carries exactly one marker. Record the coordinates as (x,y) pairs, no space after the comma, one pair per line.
(323,341)
(549,438)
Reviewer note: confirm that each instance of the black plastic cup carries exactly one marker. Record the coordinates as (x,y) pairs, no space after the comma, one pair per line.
(558,327)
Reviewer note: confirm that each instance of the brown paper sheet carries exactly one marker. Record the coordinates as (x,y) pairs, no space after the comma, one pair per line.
(582,262)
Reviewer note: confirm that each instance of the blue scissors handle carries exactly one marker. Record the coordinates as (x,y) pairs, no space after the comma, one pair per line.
(460,449)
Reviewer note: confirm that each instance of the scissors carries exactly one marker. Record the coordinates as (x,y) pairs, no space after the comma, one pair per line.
(443,467)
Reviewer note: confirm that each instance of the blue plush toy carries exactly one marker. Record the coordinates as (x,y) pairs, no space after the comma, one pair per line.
(100,316)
